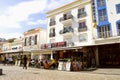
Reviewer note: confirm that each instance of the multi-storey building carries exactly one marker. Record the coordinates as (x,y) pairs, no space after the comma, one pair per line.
(32,40)
(70,32)
(107,32)
(12,49)
(6,48)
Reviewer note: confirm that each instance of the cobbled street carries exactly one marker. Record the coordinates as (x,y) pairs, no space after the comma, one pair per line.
(17,73)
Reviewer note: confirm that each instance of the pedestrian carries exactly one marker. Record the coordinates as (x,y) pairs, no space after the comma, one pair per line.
(25,62)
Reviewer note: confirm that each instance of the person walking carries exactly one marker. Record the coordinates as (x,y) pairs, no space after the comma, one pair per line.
(25,62)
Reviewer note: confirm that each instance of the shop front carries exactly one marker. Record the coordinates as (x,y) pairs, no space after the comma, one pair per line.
(109,55)
(12,56)
(72,58)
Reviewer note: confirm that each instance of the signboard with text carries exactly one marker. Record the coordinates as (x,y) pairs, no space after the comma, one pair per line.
(53,45)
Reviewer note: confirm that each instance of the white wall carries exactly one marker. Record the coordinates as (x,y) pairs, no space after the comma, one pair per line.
(112,14)
(75,37)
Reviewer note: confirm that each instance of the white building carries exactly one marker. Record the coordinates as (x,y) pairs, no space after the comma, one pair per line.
(32,41)
(70,32)
(71,23)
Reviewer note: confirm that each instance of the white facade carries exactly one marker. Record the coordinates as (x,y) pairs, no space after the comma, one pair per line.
(17,45)
(32,41)
(6,47)
(83,37)
(113,16)
(34,44)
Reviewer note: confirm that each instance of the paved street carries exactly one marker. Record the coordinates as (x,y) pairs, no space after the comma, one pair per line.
(17,73)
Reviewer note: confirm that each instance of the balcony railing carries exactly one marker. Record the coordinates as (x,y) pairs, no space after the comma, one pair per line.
(81,15)
(105,34)
(66,18)
(66,30)
(82,29)
(52,23)
(52,35)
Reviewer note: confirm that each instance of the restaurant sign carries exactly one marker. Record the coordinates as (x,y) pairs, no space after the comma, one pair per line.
(53,45)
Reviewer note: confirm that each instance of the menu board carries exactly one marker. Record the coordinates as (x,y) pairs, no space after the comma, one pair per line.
(60,65)
(64,66)
(68,65)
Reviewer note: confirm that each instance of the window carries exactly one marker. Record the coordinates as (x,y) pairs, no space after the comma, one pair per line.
(101,2)
(67,15)
(82,26)
(81,10)
(118,24)
(118,8)
(25,42)
(35,39)
(52,21)
(30,40)
(52,32)
(102,15)
(83,37)
(104,31)
(81,13)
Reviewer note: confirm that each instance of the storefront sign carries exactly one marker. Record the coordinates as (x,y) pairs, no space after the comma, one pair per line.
(53,45)
(61,44)
(58,44)
(45,46)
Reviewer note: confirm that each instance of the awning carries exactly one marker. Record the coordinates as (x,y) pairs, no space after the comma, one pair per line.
(9,52)
(103,23)
(57,49)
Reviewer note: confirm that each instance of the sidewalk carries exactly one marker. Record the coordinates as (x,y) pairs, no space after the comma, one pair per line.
(18,73)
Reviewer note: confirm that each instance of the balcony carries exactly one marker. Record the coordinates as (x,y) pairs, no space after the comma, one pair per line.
(52,35)
(106,38)
(66,19)
(105,34)
(82,29)
(52,23)
(67,31)
(82,15)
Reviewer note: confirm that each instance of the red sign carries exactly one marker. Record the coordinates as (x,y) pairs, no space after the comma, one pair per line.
(53,45)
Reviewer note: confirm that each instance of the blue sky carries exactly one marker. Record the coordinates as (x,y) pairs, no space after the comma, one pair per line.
(18,16)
